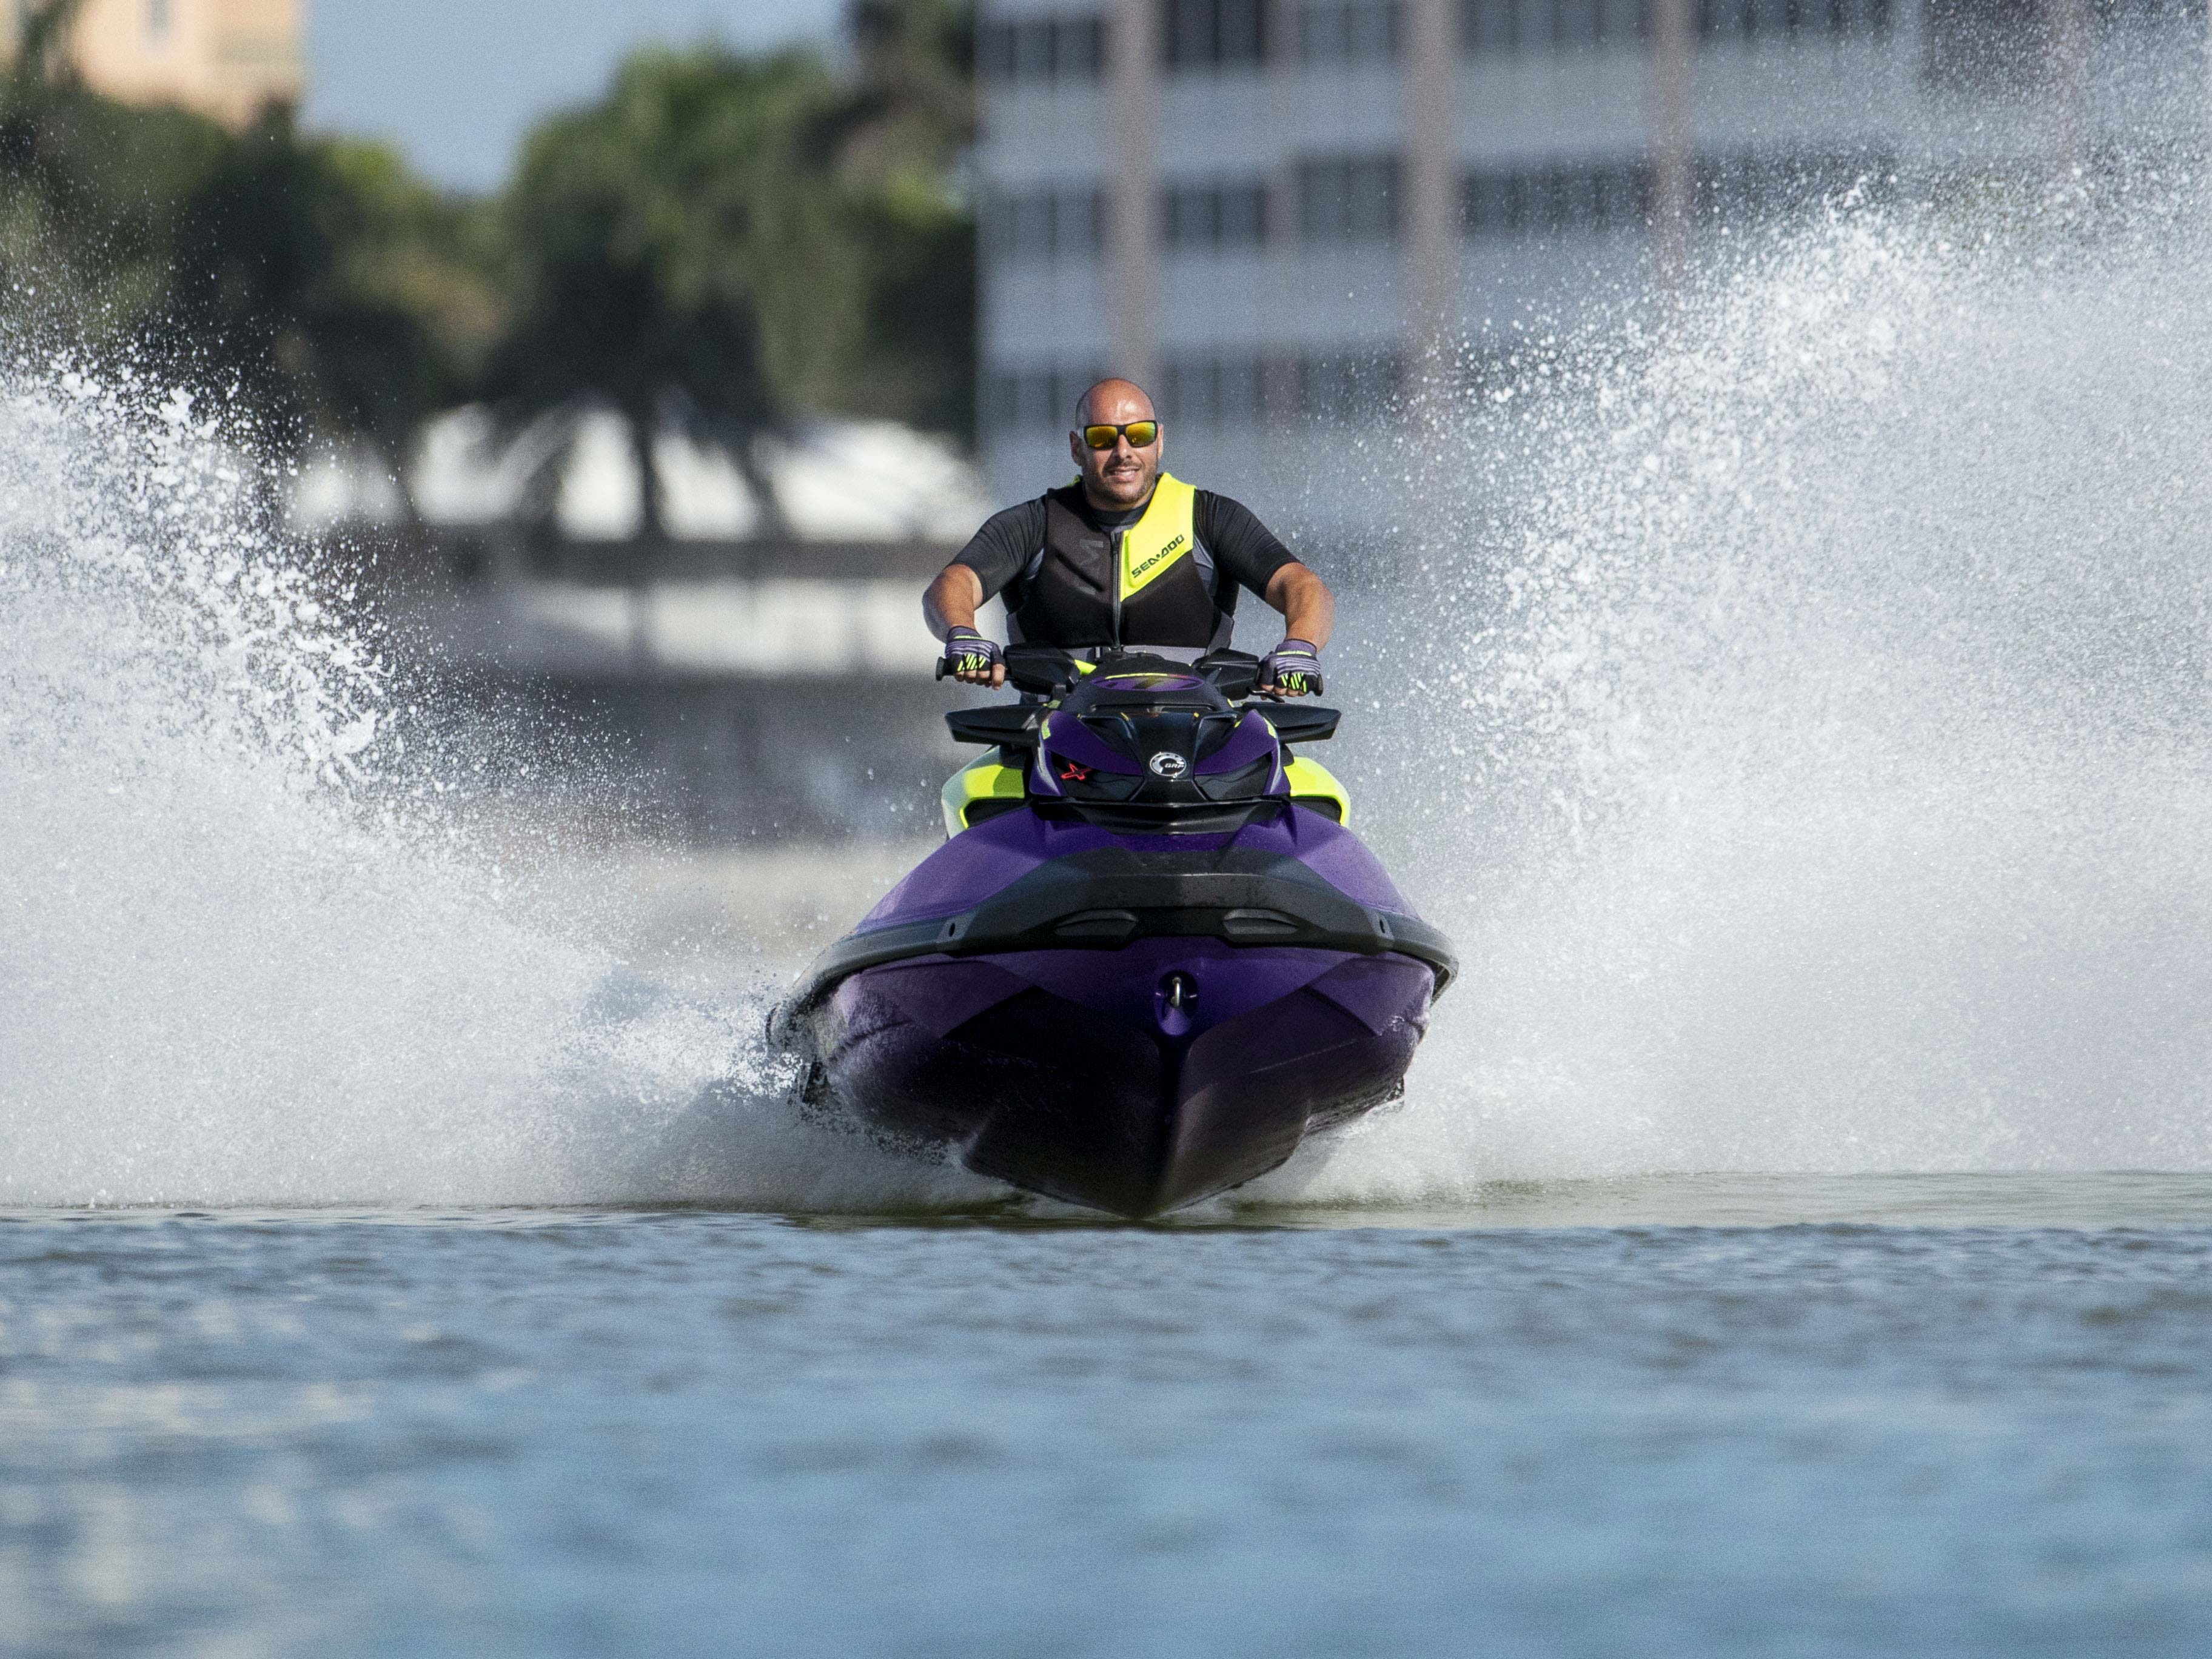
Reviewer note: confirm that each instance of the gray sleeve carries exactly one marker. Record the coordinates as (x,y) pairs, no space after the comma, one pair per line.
(1242,547)
(998,552)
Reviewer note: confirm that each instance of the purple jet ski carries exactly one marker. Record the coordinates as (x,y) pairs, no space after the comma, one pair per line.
(1146,966)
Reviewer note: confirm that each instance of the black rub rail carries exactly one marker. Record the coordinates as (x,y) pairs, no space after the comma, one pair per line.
(1102,901)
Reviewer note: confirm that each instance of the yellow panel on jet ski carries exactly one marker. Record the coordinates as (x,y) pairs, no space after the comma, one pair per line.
(1314,785)
(986,778)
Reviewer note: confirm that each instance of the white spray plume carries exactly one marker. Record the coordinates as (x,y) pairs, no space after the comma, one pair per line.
(244,957)
(1814,758)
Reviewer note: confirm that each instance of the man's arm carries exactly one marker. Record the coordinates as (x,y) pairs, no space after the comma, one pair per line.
(1309,608)
(993,558)
(951,602)
(1249,553)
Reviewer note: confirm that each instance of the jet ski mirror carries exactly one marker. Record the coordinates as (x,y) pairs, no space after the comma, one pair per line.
(1045,670)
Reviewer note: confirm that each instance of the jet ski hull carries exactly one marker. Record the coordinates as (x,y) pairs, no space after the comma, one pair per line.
(1145,979)
(1134,1080)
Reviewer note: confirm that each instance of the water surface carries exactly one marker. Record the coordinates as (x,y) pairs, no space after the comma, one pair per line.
(1934,1415)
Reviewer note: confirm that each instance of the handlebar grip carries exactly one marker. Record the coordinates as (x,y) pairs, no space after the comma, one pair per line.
(943,668)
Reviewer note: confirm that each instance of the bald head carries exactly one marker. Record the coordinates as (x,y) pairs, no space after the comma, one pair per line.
(1121,476)
(1113,402)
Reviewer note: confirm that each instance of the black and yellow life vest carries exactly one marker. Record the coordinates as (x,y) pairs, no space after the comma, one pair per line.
(1149,583)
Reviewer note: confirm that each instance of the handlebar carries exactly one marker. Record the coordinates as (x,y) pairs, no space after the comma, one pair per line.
(1046,670)
(1044,685)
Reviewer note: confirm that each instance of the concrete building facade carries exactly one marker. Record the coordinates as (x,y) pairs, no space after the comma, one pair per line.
(227,59)
(1274,211)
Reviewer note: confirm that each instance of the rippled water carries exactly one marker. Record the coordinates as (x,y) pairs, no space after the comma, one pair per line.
(1974,1418)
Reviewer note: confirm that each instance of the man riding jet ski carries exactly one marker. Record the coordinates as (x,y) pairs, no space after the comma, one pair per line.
(1150,957)
(1126,556)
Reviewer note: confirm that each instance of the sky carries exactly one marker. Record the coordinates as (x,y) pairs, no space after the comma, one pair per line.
(455,83)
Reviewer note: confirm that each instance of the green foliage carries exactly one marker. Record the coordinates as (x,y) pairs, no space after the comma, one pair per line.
(638,237)
(755,233)
(741,240)
(913,116)
(88,197)
(314,278)
(334,293)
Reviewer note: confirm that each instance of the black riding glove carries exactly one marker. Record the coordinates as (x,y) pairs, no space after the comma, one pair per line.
(968,652)
(1293,668)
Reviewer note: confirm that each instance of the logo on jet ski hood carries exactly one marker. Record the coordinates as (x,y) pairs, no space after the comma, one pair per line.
(1168,765)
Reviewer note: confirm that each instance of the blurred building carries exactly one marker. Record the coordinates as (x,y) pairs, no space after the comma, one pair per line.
(227,59)
(804,557)
(759,669)
(1274,211)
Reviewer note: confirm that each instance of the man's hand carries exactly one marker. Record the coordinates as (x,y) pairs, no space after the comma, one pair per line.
(1292,669)
(972,659)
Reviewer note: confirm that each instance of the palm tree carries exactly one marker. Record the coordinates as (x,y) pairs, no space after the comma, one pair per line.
(651,237)
(724,243)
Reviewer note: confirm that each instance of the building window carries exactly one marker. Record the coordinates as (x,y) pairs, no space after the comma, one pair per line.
(157,20)
(1215,390)
(1555,199)
(1349,386)
(1985,45)
(1536,26)
(1576,22)
(1491,26)
(1243,389)
(1747,186)
(1041,51)
(1488,26)
(1211,215)
(1039,397)
(1214,34)
(1562,198)
(1351,31)
(1767,20)
(2121,13)
(1066,223)
(1348,198)
(1229,388)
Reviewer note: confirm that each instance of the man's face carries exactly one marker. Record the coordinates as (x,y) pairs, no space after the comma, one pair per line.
(1121,476)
